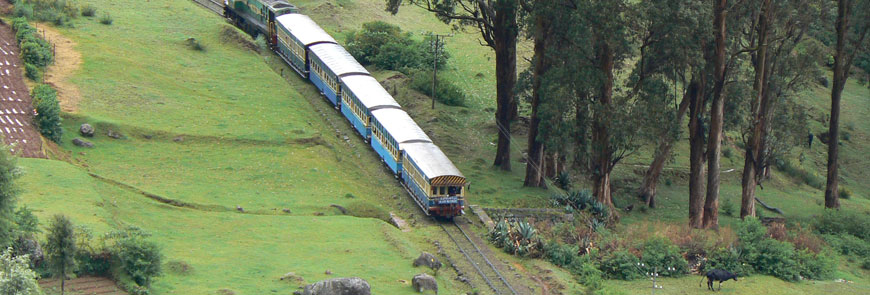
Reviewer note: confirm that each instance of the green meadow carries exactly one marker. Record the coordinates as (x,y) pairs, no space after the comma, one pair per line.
(228,128)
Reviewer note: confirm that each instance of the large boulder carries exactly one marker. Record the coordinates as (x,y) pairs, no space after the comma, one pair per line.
(86,130)
(82,143)
(338,286)
(422,282)
(427,260)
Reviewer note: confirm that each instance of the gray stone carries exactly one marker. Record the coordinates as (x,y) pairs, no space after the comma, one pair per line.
(429,260)
(82,143)
(86,130)
(338,286)
(111,133)
(423,282)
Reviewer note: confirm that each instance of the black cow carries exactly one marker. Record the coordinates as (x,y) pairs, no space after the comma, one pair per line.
(718,275)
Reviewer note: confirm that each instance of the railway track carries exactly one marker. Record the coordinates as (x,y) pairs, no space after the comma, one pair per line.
(482,265)
(217,6)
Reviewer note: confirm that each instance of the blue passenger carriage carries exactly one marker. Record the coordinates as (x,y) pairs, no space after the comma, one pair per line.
(391,130)
(360,95)
(296,33)
(329,62)
(435,183)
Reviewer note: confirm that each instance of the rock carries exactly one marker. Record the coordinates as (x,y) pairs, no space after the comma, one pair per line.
(86,130)
(240,209)
(82,143)
(178,139)
(114,134)
(398,222)
(429,260)
(286,210)
(328,272)
(338,286)
(424,282)
(292,277)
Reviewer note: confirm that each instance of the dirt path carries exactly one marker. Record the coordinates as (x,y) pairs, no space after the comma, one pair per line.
(16,111)
(82,286)
(67,62)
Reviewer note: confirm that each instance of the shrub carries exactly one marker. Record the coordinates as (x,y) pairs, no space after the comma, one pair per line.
(517,238)
(842,222)
(27,222)
(365,45)
(140,259)
(819,266)
(849,245)
(727,259)
(23,10)
(621,265)
(31,72)
(36,51)
(811,179)
(728,207)
(845,193)
(386,46)
(560,254)
(776,258)
(48,119)
(89,10)
(446,92)
(106,19)
(728,153)
(194,44)
(660,254)
(866,264)
(17,277)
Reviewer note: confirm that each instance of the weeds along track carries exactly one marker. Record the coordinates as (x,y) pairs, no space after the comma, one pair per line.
(477,258)
(214,5)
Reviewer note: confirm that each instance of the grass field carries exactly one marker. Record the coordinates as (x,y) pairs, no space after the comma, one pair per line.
(222,129)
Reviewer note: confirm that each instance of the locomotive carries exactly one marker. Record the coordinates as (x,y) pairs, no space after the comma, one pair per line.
(435,184)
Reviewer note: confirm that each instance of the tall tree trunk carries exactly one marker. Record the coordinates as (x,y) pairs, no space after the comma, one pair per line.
(696,153)
(832,200)
(602,150)
(651,177)
(717,109)
(505,39)
(534,163)
(754,152)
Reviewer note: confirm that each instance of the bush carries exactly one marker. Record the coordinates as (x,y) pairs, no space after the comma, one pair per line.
(31,72)
(17,277)
(660,254)
(194,44)
(727,152)
(517,238)
(727,259)
(89,10)
(839,222)
(621,265)
(386,46)
(36,51)
(811,179)
(728,207)
(140,259)
(106,19)
(849,245)
(59,12)
(777,259)
(819,266)
(866,264)
(560,254)
(845,193)
(48,119)
(446,92)
(27,222)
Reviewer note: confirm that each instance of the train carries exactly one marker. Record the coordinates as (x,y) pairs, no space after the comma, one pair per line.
(432,180)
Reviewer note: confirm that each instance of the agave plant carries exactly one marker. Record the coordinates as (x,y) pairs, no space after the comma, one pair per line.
(526,230)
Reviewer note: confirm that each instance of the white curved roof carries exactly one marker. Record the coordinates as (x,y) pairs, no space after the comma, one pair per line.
(304,29)
(400,126)
(431,160)
(370,93)
(338,60)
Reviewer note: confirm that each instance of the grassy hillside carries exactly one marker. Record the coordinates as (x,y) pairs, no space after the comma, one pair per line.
(224,128)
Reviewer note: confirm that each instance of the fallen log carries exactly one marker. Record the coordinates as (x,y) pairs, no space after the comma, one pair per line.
(774,209)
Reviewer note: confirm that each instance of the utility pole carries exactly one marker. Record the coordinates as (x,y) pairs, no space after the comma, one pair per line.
(435,48)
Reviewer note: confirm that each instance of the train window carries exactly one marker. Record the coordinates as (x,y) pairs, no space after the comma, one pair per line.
(454,190)
(441,190)
(434,190)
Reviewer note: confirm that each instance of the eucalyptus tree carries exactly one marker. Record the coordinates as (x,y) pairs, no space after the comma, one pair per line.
(499,27)
(852,27)
(781,69)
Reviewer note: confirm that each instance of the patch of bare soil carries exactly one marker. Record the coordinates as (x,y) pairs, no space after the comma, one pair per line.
(67,62)
(16,110)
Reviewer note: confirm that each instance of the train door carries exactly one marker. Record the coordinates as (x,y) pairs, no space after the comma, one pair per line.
(273,35)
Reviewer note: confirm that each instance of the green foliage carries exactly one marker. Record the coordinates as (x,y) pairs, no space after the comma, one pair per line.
(27,222)
(31,72)
(727,152)
(560,254)
(36,51)
(48,112)
(661,254)
(838,222)
(810,178)
(386,46)
(727,259)
(8,196)
(60,247)
(814,266)
(106,19)
(776,258)
(446,91)
(517,238)
(140,259)
(727,207)
(848,245)
(845,193)
(89,10)
(58,12)
(16,277)
(621,265)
